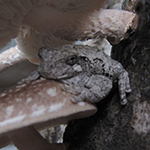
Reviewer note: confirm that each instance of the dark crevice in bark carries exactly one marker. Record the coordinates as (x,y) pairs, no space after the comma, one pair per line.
(116,127)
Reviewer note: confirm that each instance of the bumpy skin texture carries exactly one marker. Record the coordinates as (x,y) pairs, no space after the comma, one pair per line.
(86,71)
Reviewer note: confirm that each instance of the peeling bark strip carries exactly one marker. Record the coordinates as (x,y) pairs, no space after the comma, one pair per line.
(115,127)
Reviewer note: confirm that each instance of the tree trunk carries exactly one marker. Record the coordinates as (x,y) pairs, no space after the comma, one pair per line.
(116,127)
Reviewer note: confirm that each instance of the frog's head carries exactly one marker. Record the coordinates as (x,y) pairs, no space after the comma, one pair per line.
(59,63)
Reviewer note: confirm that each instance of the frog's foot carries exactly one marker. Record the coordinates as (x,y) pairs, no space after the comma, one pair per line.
(124,87)
(85,95)
(32,76)
(71,89)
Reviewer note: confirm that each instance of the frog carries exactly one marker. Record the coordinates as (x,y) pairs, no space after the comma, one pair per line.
(86,72)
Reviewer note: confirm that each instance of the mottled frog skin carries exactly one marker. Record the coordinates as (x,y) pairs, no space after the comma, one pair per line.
(86,71)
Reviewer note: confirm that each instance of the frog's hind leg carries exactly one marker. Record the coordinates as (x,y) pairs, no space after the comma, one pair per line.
(85,95)
(96,89)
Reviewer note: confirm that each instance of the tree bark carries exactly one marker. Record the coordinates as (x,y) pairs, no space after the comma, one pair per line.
(116,127)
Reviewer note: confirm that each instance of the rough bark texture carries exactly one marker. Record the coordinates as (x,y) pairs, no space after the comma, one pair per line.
(116,127)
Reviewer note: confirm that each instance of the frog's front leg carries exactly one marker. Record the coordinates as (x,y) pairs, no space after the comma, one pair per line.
(32,76)
(124,86)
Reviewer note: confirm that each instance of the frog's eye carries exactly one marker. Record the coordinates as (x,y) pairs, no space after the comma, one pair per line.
(97,60)
(71,60)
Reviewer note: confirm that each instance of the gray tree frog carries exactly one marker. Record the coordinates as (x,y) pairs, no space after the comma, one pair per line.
(86,71)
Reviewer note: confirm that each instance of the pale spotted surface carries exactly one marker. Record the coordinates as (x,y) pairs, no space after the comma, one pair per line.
(37,102)
(9,58)
(86,71)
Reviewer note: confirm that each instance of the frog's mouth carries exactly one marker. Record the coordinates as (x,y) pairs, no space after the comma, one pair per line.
(63,77)
(69,72)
